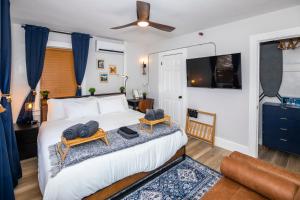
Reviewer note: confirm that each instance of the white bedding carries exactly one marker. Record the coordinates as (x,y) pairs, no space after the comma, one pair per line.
(87,177)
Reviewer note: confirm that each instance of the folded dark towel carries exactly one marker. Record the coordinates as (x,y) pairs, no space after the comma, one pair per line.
(127,130)
(150,115)
(83,131)
(127,136)
(159,114)
(93,127)
(72,132)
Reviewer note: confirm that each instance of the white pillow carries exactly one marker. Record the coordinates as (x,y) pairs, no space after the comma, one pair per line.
(79,109)
(56,108)
(117,103)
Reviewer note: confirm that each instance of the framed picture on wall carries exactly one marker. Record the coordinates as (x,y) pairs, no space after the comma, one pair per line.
(103,77)
(100,64)
(112,69)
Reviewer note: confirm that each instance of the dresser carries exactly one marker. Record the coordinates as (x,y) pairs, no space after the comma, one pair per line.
(281,127)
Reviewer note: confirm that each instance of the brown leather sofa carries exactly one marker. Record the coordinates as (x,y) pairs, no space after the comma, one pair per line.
(247,178)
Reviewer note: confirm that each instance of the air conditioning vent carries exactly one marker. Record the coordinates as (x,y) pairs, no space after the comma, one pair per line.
(110,46)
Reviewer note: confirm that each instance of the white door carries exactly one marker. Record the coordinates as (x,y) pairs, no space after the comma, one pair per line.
(172,81)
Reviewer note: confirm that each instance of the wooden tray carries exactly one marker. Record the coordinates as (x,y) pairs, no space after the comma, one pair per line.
(99,135)
(166,119)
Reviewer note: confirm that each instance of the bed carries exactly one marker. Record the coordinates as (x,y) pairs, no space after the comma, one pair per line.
(102,176)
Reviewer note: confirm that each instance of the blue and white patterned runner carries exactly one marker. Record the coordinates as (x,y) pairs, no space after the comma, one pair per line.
(96,148)
(188,180)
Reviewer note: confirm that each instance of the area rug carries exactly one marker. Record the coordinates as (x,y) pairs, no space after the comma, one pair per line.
(187,180)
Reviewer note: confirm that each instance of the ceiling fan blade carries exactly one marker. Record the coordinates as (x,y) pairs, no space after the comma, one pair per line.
(126,25)
(161,26)
(142,10)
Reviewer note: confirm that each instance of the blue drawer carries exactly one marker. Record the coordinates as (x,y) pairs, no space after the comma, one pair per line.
(277,125)
(270,111)
(295,137)
(281,127)
(295,146)
(280,143)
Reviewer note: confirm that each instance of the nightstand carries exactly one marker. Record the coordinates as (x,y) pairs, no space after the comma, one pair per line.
(26,136)
(141,104)
(134,103)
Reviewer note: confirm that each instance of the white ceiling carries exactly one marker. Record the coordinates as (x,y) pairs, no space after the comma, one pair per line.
(98,16)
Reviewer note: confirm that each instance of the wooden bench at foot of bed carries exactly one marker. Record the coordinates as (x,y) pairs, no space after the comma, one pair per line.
(120,185)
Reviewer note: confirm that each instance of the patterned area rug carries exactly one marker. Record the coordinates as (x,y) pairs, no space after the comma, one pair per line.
(186,180)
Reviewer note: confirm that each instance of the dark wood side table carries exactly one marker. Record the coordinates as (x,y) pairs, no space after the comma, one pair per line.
(141,104)
(26,136)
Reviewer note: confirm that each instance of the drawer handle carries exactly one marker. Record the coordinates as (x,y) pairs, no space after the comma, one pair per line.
(283,118)
(283,140)
(283,129)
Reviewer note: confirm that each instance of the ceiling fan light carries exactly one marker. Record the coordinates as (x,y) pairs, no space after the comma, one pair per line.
(143,23)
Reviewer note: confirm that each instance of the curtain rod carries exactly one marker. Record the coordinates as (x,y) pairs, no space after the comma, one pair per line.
(54,31)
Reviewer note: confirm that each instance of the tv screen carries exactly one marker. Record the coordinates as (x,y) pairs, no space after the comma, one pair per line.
(222,71)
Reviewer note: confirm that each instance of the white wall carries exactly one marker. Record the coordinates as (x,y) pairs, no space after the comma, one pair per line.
(19,85)
(129,61)
(92,73)
(231,106)
(153,78)
(134,58)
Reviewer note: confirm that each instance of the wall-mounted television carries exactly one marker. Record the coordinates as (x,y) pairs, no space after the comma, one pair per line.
(223,71)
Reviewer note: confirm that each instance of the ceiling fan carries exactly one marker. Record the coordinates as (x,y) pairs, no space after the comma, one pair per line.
(143,14)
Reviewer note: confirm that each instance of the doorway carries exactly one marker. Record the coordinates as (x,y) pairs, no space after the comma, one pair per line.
(254,84)
(172,84)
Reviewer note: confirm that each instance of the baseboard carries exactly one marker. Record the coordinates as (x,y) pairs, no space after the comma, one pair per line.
(231,146)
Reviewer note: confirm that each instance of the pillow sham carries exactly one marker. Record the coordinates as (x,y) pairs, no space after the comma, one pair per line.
(81,109)
(56,110)
(117,103)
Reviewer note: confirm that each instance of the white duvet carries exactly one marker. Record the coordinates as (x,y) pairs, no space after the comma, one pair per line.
(87,177)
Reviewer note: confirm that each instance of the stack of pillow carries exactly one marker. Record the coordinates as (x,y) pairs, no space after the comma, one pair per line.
(81,130)
(75,108)
(154,114)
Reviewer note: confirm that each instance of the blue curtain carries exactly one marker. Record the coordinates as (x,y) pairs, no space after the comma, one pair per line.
(10,168)
(35,43)
(80,46)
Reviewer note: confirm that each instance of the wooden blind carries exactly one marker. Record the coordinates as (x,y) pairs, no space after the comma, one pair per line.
(58,75)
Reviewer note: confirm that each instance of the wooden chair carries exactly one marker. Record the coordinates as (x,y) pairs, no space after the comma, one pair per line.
(145,104)
(201,130)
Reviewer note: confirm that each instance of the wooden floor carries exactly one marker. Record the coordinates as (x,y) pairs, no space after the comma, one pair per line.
(289,161)
(211,156)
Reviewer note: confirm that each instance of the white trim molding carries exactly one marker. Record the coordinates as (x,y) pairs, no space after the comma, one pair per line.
(231,146)
(255,41)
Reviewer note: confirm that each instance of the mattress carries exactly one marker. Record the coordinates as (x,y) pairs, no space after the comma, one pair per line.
(89,176)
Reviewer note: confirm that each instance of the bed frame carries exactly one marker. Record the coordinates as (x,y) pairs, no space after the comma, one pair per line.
(128,182)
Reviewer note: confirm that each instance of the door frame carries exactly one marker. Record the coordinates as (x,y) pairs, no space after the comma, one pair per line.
(254,82)
(182,51)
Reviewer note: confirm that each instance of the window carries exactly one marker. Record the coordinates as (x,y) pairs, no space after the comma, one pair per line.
(58,75)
